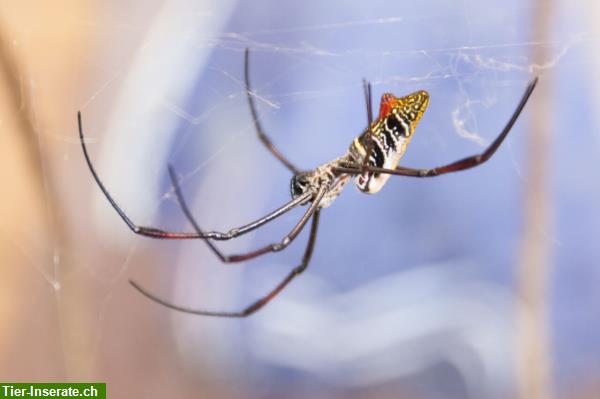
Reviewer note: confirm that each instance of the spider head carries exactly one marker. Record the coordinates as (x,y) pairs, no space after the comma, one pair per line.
(300,184)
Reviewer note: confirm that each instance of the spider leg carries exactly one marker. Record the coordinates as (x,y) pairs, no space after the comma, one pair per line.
(367,89)
(258,304)
(465,163)
(163,234)
(257,125)
(275,247)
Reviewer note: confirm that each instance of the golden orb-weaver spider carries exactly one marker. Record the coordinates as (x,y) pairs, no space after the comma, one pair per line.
(372,158)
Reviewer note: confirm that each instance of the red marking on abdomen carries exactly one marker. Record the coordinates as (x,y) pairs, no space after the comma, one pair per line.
(388,101)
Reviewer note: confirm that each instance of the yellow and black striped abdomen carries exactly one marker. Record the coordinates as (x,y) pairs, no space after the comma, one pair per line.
(391,133)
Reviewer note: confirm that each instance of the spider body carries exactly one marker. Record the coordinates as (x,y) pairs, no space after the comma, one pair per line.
(372,158)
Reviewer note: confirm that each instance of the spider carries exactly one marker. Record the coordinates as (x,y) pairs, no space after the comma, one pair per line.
(372,158)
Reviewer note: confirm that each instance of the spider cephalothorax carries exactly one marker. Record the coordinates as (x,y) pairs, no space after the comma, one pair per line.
(372,158)
(322,176)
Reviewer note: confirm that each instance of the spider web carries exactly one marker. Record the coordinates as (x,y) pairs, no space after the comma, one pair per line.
(411,291)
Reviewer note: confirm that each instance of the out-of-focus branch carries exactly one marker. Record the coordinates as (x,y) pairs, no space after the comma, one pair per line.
(19,102)
(33,200)
(534,359)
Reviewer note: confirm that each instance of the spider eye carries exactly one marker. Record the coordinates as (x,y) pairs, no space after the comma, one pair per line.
(299,185)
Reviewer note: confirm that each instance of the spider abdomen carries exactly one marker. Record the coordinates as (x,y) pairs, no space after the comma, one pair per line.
(390,134)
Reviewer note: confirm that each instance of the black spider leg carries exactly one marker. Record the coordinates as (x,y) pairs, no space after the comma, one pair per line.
(369,102)
(313,211)
(258,304)
(259,130)
(274,247)
(465,163)
(162,234)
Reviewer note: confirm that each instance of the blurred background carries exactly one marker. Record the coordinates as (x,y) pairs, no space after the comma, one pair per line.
(480,284)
